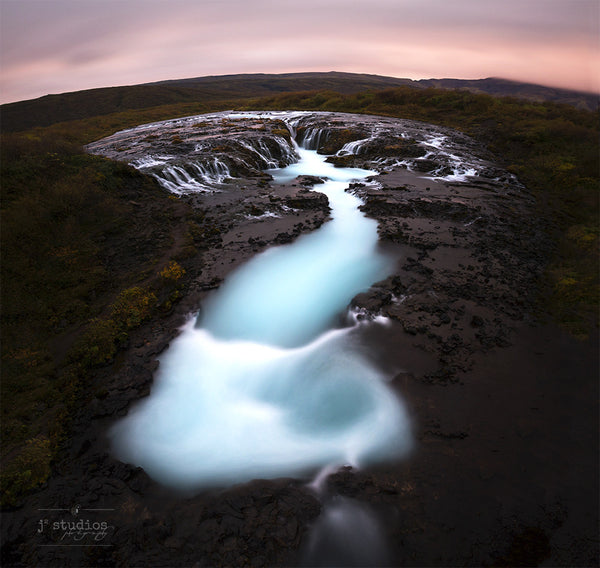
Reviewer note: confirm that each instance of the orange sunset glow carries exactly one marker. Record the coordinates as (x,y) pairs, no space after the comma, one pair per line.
(53,46)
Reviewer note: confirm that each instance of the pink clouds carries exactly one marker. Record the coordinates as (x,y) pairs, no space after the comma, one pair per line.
(61,45)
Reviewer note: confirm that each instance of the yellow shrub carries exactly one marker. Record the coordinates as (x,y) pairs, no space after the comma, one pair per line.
(27,471)
(173,271)
(132,307)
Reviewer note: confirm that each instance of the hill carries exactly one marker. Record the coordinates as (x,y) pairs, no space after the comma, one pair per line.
(350,83)
(259,84)
(504,88)
(52,109)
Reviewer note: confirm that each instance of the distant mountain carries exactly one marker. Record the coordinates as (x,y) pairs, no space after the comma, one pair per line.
(51,109)
(348,83)
(505,88)
(261,84)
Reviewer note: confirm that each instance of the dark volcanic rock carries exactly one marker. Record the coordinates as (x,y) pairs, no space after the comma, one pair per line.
(342,161)
(308,200)
(492,472)
(310,180)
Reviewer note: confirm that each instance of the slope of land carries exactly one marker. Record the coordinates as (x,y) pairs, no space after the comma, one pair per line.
(51,109)
(499,87)
(349,83)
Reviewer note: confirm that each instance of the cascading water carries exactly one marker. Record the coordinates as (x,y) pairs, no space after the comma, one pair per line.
(262,386)
(353,147)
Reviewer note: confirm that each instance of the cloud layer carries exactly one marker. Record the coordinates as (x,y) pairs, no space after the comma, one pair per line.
(50,46)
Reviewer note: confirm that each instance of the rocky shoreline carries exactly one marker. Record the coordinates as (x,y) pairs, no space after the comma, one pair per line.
(503,406)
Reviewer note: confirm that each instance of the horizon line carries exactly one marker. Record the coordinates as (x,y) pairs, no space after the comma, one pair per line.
(162,81)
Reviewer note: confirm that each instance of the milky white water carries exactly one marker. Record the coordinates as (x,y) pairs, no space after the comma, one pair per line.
(261,386)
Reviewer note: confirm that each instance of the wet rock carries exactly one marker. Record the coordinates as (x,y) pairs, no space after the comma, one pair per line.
(372,300)
(426,165)
(283,238)
(327,137)
(342,161)
(310,180)
(308,200)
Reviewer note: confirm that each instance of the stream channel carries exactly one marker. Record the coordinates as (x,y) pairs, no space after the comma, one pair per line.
(271,379)
(264,382)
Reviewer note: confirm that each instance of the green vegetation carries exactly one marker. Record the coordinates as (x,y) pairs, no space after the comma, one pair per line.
(99,343)
(83,264)
(29,469)
(216,91)
(76,253)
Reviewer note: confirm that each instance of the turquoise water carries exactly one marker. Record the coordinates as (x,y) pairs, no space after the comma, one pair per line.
(264,387)
(289,294)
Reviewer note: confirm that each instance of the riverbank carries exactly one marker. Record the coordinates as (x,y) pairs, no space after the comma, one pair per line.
(497,421)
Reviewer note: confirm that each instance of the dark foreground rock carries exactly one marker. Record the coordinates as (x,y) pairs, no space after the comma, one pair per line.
(504,407)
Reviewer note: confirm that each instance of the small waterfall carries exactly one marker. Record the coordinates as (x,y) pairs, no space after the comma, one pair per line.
(206,173)
(177,180)
(212,171)
(151,161)
(354,147)
(203,176)
(312,138)
(281,155)
(266,155)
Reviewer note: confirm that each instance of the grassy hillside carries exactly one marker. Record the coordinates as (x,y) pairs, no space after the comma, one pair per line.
(52,109)
(84,239)
(95,102)
(260,84)
(350,83)
(216,90)
(528,91)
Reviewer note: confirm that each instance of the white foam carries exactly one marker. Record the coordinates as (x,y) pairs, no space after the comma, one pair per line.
(353,147)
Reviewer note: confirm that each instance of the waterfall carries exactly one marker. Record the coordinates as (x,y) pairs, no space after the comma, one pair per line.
(265,385)
(264,155)
(312,138)
(202,177)
(353,147)
(148,147)
(204,173)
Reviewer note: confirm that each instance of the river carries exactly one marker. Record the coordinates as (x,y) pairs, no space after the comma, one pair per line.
(268,380)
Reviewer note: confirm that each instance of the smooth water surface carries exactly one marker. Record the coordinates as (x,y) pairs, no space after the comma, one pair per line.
(289,294)
(263,387)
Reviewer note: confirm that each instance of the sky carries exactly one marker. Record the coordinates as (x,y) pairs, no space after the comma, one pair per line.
(55,46)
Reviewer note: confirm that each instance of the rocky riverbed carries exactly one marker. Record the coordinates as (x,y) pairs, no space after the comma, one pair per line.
(504,469)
